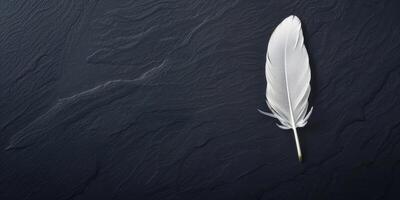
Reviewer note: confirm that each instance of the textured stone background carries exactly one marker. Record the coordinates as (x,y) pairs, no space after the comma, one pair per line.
(157,99)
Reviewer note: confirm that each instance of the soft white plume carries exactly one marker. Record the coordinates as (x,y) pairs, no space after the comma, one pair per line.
(288,75)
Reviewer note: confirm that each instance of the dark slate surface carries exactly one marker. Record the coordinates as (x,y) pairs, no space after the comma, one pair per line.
(157,99)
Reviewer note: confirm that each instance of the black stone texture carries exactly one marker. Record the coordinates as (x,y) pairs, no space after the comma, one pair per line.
(158,99)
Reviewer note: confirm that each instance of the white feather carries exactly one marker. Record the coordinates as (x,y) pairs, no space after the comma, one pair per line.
(288,77)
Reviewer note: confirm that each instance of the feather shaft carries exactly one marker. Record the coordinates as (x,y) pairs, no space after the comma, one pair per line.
(296,138)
